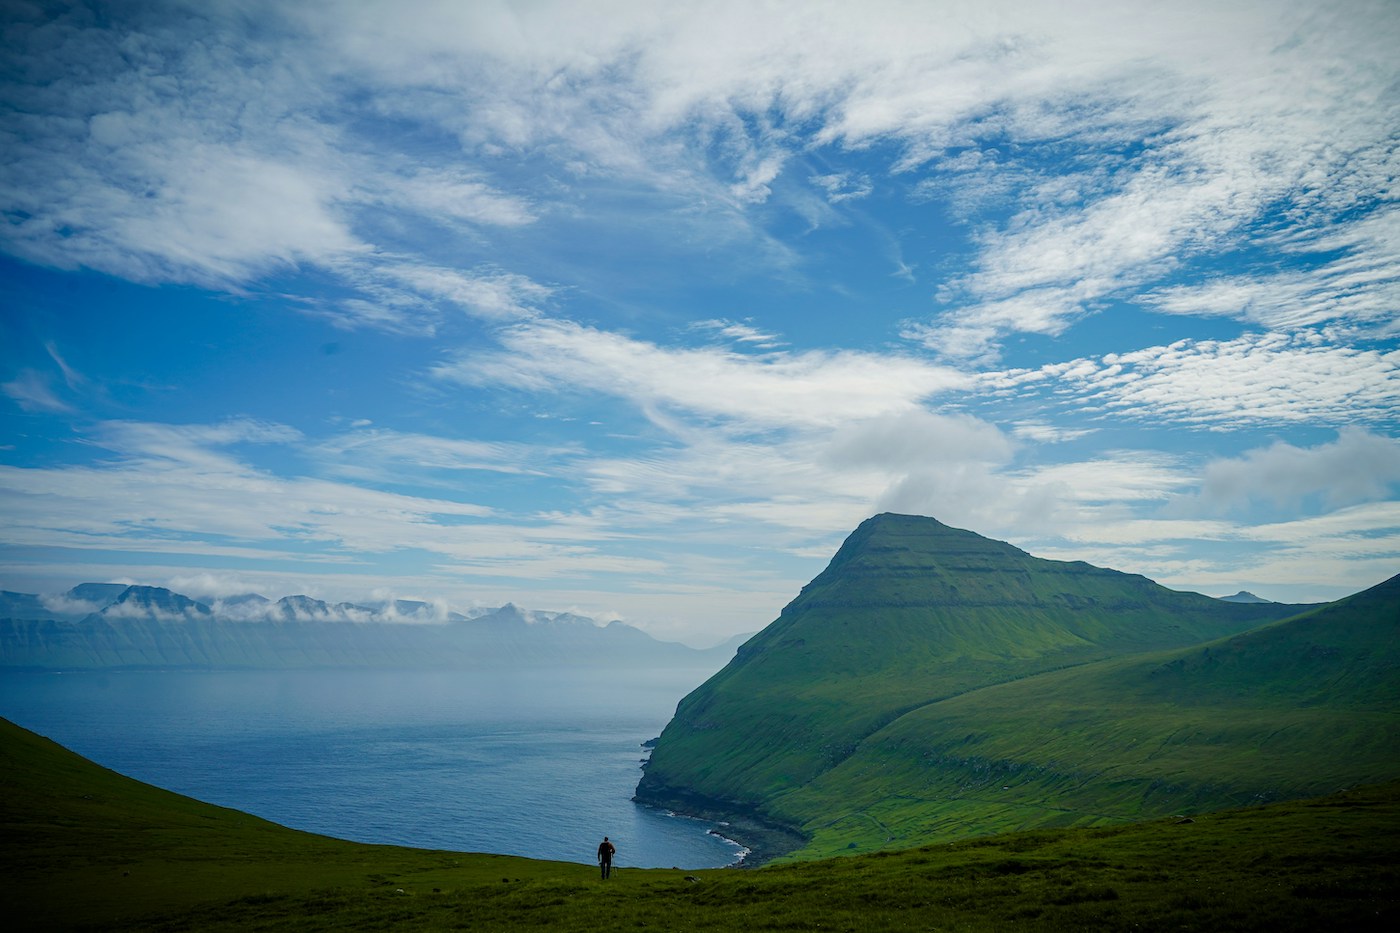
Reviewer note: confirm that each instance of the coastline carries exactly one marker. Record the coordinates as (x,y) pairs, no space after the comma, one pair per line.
(761,839)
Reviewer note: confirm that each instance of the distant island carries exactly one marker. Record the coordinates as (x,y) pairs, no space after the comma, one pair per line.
(117,626)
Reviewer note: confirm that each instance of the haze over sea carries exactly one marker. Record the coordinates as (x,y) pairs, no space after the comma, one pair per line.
(539,763)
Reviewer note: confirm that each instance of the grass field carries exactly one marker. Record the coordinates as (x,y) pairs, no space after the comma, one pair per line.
(85,848)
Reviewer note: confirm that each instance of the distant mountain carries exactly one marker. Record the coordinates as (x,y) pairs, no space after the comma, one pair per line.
(826,724)
(156,603)
(151,627)
(101,594)
(21,606)
(1244,596)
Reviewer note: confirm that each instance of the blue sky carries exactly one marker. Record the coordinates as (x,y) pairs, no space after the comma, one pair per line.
(638,309)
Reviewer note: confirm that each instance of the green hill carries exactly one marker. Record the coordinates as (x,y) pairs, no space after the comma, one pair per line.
(830,724)
(87,849)
(1296,708)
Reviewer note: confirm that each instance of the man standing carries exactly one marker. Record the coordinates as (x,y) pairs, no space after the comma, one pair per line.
(605,854)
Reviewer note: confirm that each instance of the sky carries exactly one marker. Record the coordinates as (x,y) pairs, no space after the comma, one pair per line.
(638,309)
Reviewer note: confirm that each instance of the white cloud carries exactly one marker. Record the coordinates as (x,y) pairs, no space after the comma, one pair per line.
(395,456)
(1358,466)
(1047,433)
(753,184)
(1119,478)
(156,156)
(210,587)
(761,391)
(843,186)
(1253,379)
(64,605)
(449,195)
(491,294)
(917,440)
(32,391)
(178,489)
(1134,140)
(739,332)
(1326,556)
(1360,289)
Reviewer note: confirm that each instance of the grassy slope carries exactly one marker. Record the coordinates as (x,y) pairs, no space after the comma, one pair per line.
(83,844)
(88,849)
(1300,707)
(909,612)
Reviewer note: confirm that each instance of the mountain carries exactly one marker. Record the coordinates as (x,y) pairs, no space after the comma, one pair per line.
(811,727)
(82,600)
(21,606)
(1296,708)
(153,602)
(1244,596)
(101,594)
(151,627)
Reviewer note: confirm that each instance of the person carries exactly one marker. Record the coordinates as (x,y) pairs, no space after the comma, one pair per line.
(606,850)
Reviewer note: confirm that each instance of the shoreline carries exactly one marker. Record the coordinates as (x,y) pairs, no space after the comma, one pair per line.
(762,840)
(744,851)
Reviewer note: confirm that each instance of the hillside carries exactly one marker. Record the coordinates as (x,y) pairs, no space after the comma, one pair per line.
(1296,708)
(86,848)
(145,627)
(910,613)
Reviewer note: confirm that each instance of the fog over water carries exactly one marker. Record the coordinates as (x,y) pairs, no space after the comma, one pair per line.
(535,763)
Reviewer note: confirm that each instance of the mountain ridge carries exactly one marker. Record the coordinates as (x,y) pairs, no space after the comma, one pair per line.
(144,627)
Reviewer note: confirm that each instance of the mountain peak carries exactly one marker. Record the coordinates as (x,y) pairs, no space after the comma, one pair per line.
(891,532)
(1245,596)
(99,594)
(154,602)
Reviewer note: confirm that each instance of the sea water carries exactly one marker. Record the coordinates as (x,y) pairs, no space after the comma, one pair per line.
(539,763)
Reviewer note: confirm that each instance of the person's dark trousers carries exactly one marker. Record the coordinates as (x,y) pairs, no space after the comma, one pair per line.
(607,869)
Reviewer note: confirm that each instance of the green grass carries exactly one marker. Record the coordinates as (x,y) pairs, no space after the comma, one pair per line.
(1293,709)
(87,849)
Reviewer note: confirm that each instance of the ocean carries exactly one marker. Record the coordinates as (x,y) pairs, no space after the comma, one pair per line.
(539,763)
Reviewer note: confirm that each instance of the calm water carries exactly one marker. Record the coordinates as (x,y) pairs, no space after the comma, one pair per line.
(534,763)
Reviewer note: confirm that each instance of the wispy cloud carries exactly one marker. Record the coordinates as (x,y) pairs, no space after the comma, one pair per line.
(33,391)
(740,332)
(234,164)
(843,186)
(387,455)
(1360,288)
(768,390)
(1254,379)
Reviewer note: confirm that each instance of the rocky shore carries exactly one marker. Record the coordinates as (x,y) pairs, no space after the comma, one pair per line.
(765,839)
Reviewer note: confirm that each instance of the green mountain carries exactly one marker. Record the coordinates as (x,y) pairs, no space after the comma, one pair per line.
(922,671)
